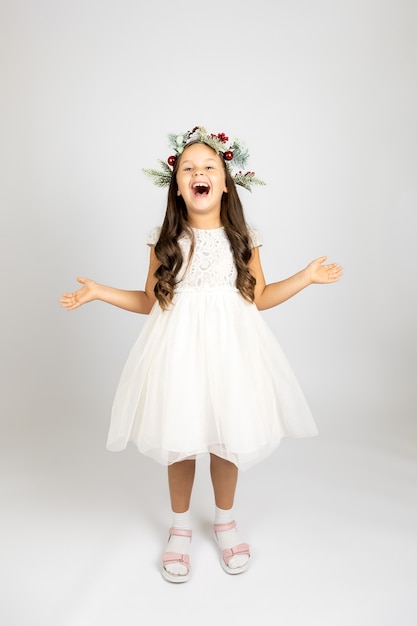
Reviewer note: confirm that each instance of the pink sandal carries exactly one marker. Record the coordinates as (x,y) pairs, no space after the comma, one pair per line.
(228,553)
(176,557)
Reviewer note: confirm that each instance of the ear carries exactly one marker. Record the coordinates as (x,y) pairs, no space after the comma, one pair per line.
(178,192)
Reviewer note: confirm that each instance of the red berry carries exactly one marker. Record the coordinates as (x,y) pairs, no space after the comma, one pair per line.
(222,137)
(228,155)
(171,160)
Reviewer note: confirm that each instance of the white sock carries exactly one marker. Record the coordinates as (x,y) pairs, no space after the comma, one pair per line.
(178,544)
(229,538)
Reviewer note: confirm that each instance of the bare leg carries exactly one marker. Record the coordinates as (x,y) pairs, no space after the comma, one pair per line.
(224,479)
(176,564)
(235,553)
(180,481)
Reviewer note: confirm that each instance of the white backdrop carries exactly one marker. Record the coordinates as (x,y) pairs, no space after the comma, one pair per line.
(324,93)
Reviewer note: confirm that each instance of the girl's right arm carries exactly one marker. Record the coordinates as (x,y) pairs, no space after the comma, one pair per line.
(135,301)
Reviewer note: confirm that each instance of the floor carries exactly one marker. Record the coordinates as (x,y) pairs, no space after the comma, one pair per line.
(332,524)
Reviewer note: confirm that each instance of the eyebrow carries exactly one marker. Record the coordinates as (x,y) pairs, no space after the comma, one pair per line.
(191,161)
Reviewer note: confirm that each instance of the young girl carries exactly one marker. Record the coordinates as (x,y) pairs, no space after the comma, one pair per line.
(206,375)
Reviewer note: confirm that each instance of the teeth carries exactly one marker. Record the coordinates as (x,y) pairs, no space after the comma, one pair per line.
(200,185)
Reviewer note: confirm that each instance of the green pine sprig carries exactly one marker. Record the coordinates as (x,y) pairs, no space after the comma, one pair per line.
(247,180)
(240,154)
(162,177)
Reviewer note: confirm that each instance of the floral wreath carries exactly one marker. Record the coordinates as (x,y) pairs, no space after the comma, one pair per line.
(234,153)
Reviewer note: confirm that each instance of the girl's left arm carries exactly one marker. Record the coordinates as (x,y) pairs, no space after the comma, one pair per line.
(316,272)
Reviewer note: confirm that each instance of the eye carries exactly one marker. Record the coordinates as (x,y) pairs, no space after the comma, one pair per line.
(187,169)
(210,167)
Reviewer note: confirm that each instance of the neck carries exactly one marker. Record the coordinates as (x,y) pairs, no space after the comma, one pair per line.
(205,222)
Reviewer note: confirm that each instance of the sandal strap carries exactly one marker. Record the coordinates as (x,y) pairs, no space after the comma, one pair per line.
(228,553)
(180,532)
(218,528)
(176,557)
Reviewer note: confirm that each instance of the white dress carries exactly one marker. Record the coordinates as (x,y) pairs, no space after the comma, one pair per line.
(207,375)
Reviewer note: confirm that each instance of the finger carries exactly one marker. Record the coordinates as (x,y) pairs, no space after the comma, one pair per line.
(335,276)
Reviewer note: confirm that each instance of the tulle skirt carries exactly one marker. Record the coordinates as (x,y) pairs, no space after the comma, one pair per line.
(207,376)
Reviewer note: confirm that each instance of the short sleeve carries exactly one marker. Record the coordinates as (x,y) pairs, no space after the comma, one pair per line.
(153,236)
(255,238)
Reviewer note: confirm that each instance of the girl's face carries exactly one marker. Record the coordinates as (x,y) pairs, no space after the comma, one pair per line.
(201,182)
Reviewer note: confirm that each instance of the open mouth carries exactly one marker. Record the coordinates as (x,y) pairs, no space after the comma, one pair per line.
(201,189)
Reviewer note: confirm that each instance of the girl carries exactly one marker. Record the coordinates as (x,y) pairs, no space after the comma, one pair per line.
(206,375)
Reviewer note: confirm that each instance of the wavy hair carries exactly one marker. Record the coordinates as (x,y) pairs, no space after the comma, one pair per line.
(176,223)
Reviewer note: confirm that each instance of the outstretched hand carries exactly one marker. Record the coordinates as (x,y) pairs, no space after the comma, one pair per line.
(323,274)
(85,294)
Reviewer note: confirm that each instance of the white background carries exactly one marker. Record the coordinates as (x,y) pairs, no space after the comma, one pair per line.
(324,94)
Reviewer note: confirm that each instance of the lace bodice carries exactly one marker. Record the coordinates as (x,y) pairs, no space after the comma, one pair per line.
(212,265)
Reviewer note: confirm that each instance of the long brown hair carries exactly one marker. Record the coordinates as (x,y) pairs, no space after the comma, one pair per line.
(176,223)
